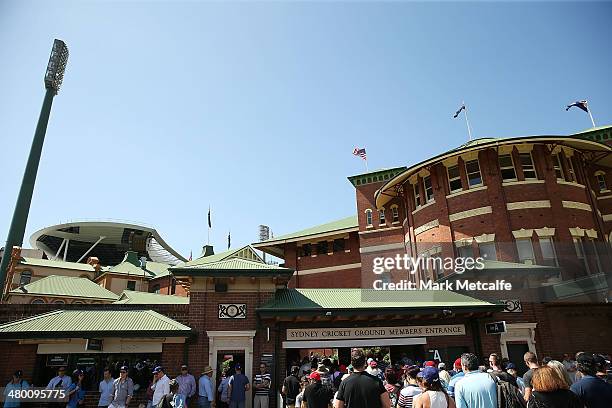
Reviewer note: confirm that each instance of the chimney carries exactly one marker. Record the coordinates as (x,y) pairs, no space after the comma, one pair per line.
(207,250)
(132,257)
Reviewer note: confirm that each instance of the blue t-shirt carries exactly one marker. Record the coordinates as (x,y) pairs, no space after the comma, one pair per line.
(73,402)
(594,392)
(238,381)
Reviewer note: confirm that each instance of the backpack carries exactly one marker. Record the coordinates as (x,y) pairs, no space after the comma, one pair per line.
(508,396)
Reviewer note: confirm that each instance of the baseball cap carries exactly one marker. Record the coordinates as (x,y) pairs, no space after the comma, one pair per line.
(157,369)
(441,366)
(123,368)
(315,376)
(458,362)
(18,374)
(77,372)
(237,366)
(429,374)
(373,364)
(510,366)
(429,363)
(184,367)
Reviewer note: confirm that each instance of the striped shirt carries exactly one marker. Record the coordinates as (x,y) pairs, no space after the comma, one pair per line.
(262,379)
(407,395)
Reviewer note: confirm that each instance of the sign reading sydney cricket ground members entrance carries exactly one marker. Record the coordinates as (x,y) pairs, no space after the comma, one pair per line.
(375,332)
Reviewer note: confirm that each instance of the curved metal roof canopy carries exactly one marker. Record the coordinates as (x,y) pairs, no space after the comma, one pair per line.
(106,240)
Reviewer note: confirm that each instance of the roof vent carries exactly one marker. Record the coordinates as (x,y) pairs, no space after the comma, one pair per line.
(207,250)
(132,257)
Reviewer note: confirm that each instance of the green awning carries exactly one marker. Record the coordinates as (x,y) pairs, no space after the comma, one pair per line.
(231,267)
(370,302)
(65,286)
(94,323)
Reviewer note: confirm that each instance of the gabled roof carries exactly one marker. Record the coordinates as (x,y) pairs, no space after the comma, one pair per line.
(231,267)
(65,286)
(245,252)
(369,301)
(131,266)
(275,245)
(145,298)
(57,264)
(94,323)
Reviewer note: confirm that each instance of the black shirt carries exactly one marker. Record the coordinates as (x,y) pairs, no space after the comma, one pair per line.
(292,384)
(527,377)
(318,396)
(555,399)
(361,390)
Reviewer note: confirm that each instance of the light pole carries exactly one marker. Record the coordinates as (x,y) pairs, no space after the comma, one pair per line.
(53,80)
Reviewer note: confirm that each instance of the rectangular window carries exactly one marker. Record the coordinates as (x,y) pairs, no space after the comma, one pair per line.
(601,182)
(339,245)
(473,173)
(368,214)
(395,213)
(454,179)
(570,168)
(506,166)
(465,251)
(525,251)
(131,285)
(488,251)
(25,278)
(549,256)
(428,189)
(590,248)
(529,171)
(417,195)
(558,167)
(321,247)
(381,215)
(437,264)
(306,250)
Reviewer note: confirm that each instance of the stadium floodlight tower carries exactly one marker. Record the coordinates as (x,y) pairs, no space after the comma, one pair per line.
(53,80)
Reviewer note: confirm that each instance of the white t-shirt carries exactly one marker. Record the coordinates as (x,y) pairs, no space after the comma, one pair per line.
(161,387)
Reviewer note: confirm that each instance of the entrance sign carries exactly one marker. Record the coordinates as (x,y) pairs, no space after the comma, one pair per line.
(435,354)
(57,360)
(374,332)
(495,327)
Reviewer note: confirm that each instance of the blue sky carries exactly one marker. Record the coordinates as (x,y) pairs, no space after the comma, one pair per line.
(254,108)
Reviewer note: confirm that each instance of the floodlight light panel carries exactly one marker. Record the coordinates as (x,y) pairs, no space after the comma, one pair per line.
(57,65)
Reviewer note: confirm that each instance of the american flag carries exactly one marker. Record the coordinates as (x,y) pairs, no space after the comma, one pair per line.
(360,152)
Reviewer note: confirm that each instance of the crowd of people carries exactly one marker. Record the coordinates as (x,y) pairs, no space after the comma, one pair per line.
(161,391)
(581,382)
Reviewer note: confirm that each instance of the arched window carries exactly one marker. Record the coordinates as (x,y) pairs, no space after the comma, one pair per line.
(25,278)
(368,214)
(381,214)
(38,301)
(59,302)
(78,302)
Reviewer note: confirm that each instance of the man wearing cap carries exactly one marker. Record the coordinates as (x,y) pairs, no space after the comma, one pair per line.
(315,394)
(76,393)
(594,392)
(206,388)
(455,378)
(476,389)
(106,389)
(161,385)
(60,381)
(238,386)
(187,384)
(16,384)
(291,387)
(123,389)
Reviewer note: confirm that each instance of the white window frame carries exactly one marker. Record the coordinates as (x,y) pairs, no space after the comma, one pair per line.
(450,180)
(518,252)
(552,246)
(601,180)
(394,213)
(481,244)
(428,199)
(501,169)
(382,218)
(417,195)
(470,185)
(558,167)
(368,214)
(570,168)
(532,165)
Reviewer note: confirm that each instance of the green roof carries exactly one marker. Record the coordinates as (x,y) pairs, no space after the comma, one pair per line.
(94,323)
(369,301)
(57,285)
(338,225)
(232,267)
(57,264)
(376,176)
(145,298)
(245,252)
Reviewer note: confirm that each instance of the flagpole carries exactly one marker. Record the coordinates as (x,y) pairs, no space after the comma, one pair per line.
(366,164)
(591,116)
(467,122)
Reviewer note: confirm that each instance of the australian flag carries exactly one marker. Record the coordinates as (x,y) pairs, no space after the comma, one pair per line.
(360,152)
(459,111)
(579,104)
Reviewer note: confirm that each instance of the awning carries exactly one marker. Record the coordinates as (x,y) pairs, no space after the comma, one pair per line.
(93,324)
